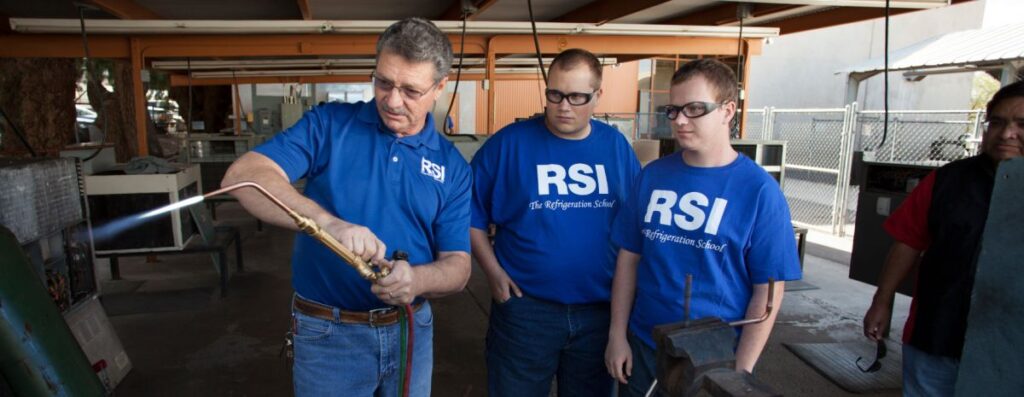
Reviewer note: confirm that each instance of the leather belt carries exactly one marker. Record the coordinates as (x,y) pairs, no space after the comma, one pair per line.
(375,317)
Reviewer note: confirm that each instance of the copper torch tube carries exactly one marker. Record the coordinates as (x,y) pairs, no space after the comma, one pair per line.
(307,225)
(767,309)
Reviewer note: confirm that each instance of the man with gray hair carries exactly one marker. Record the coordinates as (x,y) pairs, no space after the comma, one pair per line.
(378,175)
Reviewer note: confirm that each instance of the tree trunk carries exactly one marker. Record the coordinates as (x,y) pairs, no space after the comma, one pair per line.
(115,110)
(38,95)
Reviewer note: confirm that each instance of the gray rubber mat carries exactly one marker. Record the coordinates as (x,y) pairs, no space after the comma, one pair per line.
(837,362)
(799,285)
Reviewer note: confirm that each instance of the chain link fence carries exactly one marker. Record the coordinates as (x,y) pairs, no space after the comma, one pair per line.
(821,142)
(920,137)
(814,161)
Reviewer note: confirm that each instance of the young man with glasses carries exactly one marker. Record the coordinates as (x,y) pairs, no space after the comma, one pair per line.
(706,211)
(551,185)
(378,176)
(940,225)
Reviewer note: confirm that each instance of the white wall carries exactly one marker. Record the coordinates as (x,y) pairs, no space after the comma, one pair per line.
(1002,12)
(798,70)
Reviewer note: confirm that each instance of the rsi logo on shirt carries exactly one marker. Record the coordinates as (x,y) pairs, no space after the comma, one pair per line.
(582,176)
(432,170)
(691,204)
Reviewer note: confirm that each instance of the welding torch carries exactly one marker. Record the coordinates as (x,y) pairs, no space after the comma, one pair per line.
(368,271)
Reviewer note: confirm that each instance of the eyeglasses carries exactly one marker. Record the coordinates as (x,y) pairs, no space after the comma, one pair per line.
(879,355)
(999,123)
(691,110)
(575,98)
(407,92)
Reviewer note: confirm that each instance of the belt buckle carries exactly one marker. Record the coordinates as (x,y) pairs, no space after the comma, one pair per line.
(375,314)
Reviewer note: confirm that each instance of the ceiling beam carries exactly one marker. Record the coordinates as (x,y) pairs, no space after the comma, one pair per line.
(603,11)
(831,17)
(725,14)
(304,9)
(124,9)
(231,46)
(179,80)
(454,12)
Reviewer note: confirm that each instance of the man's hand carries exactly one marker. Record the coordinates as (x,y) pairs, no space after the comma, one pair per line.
(397,288)
(877,319)
(618,357)
(502,286)
(357,238)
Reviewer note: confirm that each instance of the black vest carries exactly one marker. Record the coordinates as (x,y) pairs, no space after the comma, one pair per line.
(956,221)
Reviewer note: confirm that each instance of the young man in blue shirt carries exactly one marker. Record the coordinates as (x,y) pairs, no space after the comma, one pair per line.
(706,211)
(378,176)
(551,185)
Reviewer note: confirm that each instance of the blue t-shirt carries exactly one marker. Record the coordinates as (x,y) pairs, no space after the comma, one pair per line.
(553,201)
(412,192)
(728,226)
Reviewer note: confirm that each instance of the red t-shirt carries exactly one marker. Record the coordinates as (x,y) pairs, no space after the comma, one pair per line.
(909,225)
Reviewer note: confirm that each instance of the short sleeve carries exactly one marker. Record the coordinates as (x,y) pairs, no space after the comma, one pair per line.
(909,223)
(626,227)
(484,164)
(452,225)
(772,250)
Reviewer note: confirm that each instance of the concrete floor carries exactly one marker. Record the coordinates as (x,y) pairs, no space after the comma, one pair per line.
(197,343)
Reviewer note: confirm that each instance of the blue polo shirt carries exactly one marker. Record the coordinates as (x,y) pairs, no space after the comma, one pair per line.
(553,201)
(728,226)
(412,192)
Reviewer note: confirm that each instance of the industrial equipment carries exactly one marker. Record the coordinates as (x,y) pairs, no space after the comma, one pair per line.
(884,186)
(42,208)
(38,354)
(114,197)
(698,357)
(214,153)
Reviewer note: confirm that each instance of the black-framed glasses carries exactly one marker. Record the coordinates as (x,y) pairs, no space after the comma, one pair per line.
(691,110)
(879,355)
(574,98)
(407,92)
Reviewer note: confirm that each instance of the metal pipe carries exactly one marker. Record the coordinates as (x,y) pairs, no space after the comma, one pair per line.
(767,309)
(306,224)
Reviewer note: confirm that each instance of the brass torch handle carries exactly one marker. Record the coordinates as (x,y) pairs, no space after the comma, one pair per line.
(307,225)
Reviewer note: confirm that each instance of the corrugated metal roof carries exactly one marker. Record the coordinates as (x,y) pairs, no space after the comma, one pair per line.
(977,46)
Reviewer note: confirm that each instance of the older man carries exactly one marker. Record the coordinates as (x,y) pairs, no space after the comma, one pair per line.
(940,224)
(377,175)
(552,186)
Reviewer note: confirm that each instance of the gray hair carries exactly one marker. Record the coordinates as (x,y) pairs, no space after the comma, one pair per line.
(418,40)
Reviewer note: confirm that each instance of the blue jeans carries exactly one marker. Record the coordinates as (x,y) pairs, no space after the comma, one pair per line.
(338,359)
(927,374)
(529,341)
(644,369)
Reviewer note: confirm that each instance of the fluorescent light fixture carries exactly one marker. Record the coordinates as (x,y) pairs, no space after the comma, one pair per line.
(222,74)
(328,63)
(856,3)
(116,26)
